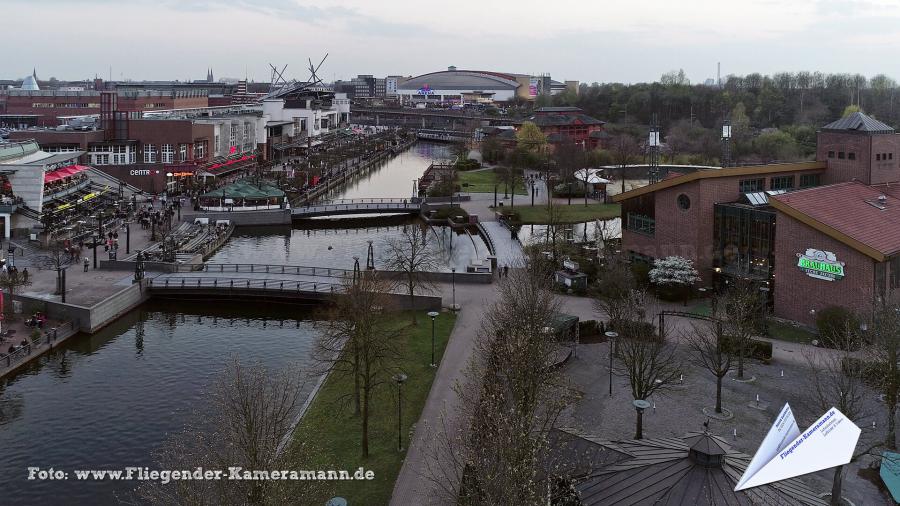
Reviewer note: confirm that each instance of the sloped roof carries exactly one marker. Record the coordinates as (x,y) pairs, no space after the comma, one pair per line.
(461,80)
(661,471)
(558,109)
(850,213)
(572,118)
(246,190)
(859,122)
(30,84)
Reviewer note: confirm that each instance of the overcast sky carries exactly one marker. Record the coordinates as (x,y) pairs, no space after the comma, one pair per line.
(585,40)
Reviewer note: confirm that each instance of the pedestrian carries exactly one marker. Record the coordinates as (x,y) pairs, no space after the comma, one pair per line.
(86,263)
(506,271)
(25,275)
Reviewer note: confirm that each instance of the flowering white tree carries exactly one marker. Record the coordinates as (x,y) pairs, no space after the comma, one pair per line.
(674,272)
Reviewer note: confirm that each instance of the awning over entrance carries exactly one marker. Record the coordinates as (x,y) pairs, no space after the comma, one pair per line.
(56,175)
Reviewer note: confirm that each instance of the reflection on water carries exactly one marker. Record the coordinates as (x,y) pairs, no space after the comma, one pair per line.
(394,178)
(108,400)
(336,247)
(580,232)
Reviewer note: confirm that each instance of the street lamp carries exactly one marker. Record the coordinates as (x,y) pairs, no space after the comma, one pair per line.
(611,336)
(453,284)
(433,315)
(400,378)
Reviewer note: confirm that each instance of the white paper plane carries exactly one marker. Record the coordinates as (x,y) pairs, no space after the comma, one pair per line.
(786,452)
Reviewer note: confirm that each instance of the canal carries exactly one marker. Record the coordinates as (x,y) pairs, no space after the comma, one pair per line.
(108,401)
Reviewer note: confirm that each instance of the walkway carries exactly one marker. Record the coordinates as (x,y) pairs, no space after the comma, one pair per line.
(507,249)
(358,206)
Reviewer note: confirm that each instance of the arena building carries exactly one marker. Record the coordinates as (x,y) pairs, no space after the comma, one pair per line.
(453,86)
(811,234)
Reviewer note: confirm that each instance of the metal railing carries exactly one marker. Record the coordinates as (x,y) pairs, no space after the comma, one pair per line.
(367,201)
(277,285)
(296,270)
(32,345)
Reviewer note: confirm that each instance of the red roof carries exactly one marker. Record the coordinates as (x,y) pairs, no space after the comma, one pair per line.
(64,172)
(850,213)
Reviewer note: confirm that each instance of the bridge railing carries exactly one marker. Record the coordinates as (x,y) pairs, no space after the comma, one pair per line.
(276,285)
(366,201)
(296,270)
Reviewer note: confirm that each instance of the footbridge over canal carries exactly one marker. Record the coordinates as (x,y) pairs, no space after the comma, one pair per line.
(366,206)
(260,281)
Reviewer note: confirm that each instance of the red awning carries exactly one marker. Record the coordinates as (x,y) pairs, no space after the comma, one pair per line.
(63,173)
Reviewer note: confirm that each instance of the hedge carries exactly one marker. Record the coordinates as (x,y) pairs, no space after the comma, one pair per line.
(756,349)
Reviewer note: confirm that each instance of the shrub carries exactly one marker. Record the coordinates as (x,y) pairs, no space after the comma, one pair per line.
(755,349)
(465,165)
(833,322)
(872,373)
(587,328)
(637,330)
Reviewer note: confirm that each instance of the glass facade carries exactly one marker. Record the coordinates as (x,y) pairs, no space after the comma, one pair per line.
(744,239)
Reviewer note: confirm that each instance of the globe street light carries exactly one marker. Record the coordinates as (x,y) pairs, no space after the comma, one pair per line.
(433,315)
(611,336)
(400,378)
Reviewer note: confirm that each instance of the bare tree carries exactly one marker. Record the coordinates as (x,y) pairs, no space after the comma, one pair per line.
(884,354)
(625,151)
(511,399)
(835,382)
(648,363)
(740,308)
(12,281)
(613,296)
(252,411)
(354,342)
(57,258)
(410,255)
(710,353)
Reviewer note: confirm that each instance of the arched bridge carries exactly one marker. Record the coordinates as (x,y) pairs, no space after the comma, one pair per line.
(261,281)
(360,206)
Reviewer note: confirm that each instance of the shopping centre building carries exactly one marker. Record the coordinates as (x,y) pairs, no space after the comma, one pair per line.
(811,234)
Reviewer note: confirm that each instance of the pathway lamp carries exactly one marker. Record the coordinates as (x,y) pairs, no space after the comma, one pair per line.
(611,337)
(453,284)
(433,315)
(400,378)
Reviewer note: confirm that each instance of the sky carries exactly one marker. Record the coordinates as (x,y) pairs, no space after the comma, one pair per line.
(584,40)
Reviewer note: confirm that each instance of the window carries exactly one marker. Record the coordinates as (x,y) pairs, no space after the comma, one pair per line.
(841,155)
(232,140)
(182,152)
(752,185)
(877,157)
(851,155)
(132,155)
(641,224)
(684,202)
(200,150)
(831,154)
(782,183)
(810,180)
(167,153)
(149,153)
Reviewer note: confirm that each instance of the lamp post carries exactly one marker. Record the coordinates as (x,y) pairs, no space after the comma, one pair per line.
(433,315)
(764,295)
(400,378)
(611,336)
(495,195)
(127,237)
(453,284)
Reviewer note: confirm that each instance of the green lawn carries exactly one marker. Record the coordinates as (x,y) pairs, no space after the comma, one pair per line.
(786,332)
(483,181)
(575,213)
(330,422)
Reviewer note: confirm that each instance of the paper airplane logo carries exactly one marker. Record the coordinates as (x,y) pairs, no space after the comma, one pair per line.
(786,452)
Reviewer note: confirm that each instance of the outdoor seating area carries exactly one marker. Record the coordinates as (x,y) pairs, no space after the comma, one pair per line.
(244,195)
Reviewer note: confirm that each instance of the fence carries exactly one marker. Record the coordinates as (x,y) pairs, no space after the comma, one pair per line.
(284,286)
(296,270)
(25,352)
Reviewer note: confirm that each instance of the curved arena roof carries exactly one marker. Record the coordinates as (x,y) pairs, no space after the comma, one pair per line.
(462,80)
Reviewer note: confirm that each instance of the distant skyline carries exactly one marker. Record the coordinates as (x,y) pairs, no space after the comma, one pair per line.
(570,39)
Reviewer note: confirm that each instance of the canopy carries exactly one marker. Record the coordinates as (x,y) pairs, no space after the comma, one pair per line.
(246,190)
(63,173)
(591,176)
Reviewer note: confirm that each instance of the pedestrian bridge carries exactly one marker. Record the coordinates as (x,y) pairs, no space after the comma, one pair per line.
(260,281)
(359,206)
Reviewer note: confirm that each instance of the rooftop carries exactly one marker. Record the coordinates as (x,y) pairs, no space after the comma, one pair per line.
(860,216)
(859,122)
(747,170)
(564,118)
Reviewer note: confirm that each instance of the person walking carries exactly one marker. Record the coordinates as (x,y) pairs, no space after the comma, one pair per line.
(25,275)
(86,264)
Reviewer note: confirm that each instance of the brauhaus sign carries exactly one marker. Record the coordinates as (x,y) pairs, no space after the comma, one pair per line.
(820,265)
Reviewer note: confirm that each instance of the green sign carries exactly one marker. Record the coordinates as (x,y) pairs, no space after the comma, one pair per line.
(821,265)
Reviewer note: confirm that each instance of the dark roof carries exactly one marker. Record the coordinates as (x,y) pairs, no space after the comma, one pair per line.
(244,189)
(859,122)
(661,471)
(576,118)
(848,212)
(600,134)
(558,109)
(509,134)
(557,138)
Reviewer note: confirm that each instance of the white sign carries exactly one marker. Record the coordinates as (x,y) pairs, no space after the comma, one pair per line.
(139,172)
(820,264)
(786,452)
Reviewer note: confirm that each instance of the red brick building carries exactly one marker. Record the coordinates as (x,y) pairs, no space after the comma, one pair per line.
(44,108)
(724,220)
